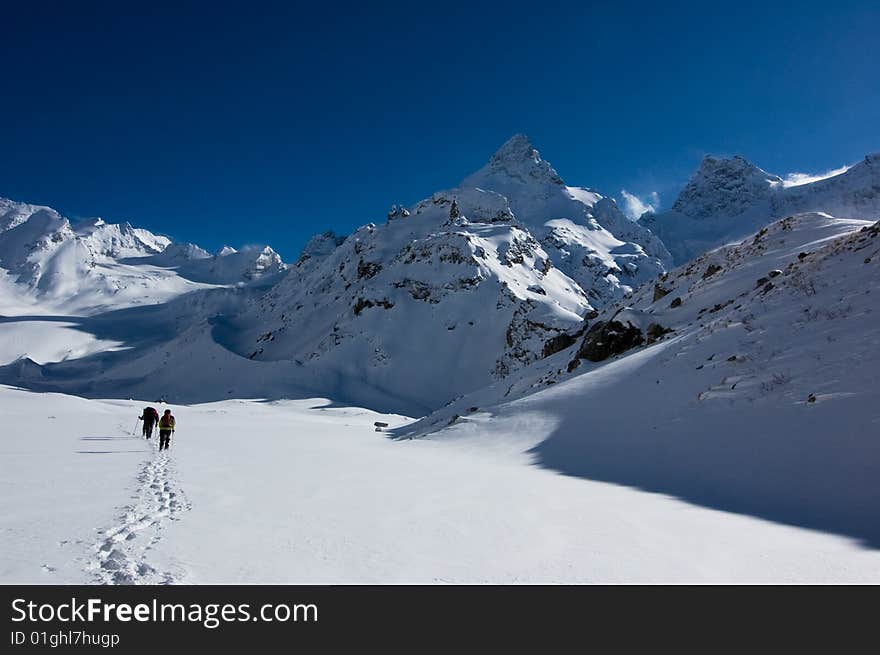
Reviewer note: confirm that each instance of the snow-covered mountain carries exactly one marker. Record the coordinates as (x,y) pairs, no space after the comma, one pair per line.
(747,380)
(228,266)
(726,199)
(439,299)
(454,292)
(584,233)
(72,290)
(85,267)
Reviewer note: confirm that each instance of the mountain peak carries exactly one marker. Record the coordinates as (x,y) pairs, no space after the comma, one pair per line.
(724,186)
(517,148)
(515,162)
(729,167)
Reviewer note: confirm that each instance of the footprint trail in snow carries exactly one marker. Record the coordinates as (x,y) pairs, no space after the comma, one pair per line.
(121,553)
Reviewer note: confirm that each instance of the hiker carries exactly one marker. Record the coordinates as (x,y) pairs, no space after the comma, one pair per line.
(166,427)
(150,417)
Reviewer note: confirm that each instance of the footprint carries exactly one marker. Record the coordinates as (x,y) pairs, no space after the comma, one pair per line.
(115,561)
(119,558)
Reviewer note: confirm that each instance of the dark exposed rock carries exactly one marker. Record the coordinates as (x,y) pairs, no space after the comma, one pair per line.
(361,304)
(558,343)
(775,272)
(719,306)
(659,292)
(417,289)
(451,254)
(761,282)
(397,212)
(501,216)
(607,338)
(676,302)
(520,247)
(655,331)
(711,270)
(366,270)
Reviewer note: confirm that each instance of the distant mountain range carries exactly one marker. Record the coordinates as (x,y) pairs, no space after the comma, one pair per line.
(91,266)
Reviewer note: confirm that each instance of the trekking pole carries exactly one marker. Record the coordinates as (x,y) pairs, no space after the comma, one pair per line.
(134,429)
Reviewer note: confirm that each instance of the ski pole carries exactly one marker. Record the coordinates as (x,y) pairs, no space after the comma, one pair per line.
(134,429)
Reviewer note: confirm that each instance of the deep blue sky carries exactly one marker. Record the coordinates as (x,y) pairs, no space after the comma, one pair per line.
(268,123)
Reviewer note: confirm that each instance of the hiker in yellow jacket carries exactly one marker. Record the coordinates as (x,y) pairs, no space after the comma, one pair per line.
(166,427)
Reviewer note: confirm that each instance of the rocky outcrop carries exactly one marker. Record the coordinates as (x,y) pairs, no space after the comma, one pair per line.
(605,339)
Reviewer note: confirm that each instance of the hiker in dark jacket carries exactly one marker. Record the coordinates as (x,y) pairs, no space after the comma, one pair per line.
(166,427)
(150,417)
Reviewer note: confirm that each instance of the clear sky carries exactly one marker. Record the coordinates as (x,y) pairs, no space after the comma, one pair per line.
(266,123)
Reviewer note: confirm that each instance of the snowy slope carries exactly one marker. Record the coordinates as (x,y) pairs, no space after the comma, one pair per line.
(726,199)
(307,492)
(763,399)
